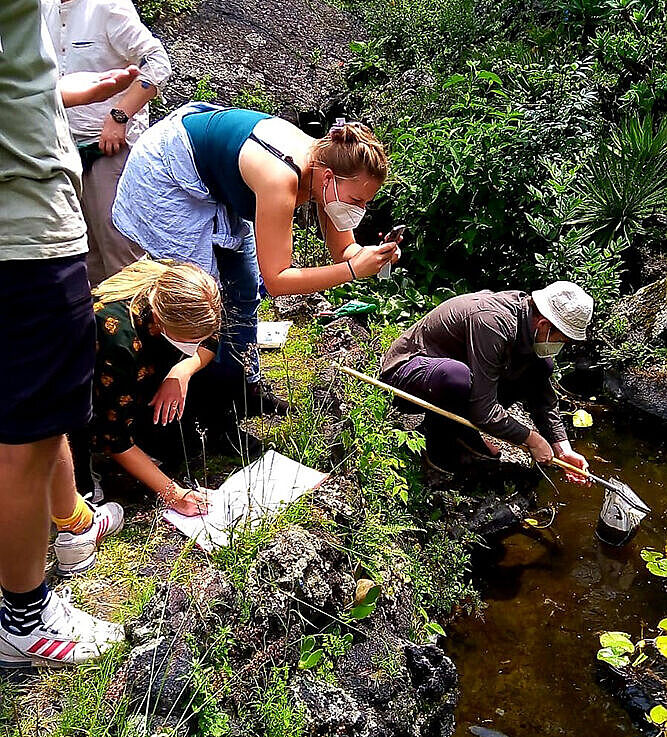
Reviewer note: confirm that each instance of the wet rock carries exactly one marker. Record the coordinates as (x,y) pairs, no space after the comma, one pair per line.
(639,688)
(494,516)
(641,319)
(385,686)
(293,52)
(433,674)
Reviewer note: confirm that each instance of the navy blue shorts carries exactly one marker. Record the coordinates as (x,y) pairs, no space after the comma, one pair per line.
(47,348)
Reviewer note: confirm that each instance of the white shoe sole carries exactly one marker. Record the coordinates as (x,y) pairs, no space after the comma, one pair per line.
(74,569)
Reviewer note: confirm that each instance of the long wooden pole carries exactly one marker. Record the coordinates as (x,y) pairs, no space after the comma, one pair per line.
(449,415)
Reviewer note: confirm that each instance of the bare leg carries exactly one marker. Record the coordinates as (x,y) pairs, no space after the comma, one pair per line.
(63,486)
(26,472)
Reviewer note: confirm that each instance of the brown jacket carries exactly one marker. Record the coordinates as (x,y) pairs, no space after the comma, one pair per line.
(491,333)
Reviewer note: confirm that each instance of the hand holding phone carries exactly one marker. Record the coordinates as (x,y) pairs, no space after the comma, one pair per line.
(393,236)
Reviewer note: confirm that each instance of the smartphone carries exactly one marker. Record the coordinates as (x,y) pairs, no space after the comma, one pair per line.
(393,235)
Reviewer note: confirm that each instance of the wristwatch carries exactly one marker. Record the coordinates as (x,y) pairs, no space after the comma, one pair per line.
(118,115)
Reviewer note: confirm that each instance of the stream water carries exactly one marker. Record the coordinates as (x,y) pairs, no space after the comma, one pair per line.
(528,668)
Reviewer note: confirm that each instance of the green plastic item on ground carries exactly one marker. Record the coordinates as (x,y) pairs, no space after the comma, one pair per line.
(353,307)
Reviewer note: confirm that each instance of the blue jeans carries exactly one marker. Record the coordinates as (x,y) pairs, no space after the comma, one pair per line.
(239,275)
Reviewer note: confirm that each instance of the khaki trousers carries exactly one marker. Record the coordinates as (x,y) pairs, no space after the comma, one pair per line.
(109,250)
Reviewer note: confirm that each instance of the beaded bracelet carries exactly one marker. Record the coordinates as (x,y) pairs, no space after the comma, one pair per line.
(169,494)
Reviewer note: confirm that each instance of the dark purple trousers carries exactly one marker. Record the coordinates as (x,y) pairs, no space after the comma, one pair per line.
(446,383)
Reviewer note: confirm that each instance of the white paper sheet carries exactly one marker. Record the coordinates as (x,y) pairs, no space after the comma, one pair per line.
(266,484)
(272,334)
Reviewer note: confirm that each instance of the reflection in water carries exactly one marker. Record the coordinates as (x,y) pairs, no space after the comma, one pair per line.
(528,668)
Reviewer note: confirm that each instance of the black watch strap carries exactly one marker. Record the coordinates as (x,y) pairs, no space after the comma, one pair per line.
(118,115)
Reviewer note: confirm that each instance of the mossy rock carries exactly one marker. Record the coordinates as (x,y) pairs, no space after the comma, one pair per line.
(639,324)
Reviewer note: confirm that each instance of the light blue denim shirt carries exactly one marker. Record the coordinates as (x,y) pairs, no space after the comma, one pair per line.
(163,205)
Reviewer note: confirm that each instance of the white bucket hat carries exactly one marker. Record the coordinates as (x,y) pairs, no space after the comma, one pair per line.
(566,306)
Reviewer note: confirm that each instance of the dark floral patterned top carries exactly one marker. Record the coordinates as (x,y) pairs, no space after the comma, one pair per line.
(132,360)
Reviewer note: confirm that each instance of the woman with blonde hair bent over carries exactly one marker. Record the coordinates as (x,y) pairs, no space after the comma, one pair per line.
(218,187)
(157,325)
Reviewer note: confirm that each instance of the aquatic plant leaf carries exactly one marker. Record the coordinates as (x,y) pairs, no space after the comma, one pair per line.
(607,655)
(661,644)
(658,568)
(581,418)
(362,611)
(619,642)
(651,555)
(639,660)
(662,624)
(658,714)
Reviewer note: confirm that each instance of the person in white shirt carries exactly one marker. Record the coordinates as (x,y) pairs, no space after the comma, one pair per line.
(93,36)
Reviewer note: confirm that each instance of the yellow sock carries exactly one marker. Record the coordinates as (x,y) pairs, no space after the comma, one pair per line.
(80,520)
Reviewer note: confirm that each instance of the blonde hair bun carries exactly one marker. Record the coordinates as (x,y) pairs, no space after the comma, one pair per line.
(352,148)
(349,133)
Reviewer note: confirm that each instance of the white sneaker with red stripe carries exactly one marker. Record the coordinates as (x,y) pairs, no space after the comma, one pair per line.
(78,553)
(65,636)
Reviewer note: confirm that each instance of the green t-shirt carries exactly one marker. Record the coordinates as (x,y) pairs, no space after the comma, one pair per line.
(40,170)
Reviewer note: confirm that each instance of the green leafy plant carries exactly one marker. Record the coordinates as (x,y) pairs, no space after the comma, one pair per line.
(625,185)
(275,706)
(203,91)
(309,657)
(152,10)
(256,98)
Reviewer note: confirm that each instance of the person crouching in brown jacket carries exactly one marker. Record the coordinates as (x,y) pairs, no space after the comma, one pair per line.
(477,354)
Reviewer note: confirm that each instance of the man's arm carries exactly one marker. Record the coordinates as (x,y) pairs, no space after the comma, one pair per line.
(132,40)
(488,336)
(113,133)
(82,88)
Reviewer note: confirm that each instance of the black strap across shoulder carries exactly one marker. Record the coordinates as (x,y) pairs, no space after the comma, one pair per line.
(278,154)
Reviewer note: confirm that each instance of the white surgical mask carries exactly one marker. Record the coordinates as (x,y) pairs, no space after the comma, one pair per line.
(546,349)
(188,348)
(343,215)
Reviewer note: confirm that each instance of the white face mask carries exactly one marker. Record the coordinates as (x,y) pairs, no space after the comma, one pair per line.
(188,348)
(546,349)
(343,215)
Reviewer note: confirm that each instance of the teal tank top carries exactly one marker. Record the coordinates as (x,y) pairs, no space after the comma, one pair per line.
(216,137)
